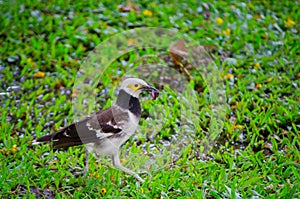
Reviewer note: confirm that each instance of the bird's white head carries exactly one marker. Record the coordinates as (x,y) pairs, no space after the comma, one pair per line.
(135,86)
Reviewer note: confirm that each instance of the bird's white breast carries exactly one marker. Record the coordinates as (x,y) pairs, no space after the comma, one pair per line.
(111,145)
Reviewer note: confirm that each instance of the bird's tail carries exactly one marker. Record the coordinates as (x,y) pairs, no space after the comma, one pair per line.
(46,138)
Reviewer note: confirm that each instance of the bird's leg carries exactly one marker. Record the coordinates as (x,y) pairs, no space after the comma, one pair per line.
(116,162)
(86,165)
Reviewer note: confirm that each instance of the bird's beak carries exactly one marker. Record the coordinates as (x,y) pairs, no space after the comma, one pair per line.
(154,92)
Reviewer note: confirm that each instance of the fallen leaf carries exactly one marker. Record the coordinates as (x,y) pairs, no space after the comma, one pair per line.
(58,85)
(268,145)
(179,54)
(178,51)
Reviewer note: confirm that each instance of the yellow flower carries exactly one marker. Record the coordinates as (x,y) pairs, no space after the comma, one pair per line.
(269,79)
(258,86)
(39,74)
(227,32)
(238,126)
(257,65)
(103,191)
(290,22)
(112,177)
(3,151)
(131,41)
(75,92)
(123,160)
(229,76)
(14,148)
(147,13)
(219,21)
(29,60)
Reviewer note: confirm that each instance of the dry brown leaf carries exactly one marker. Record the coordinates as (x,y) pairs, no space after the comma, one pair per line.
(268,145)
(178,51)
(58,85)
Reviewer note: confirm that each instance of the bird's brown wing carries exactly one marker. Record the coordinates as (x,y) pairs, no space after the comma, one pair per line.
(88,130)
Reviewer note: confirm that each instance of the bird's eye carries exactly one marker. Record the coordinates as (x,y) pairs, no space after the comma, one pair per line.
(136,85)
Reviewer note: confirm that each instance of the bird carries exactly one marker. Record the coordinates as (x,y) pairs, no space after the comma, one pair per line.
(105,131)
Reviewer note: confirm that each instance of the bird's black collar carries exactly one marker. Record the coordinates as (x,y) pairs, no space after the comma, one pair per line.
(129,102)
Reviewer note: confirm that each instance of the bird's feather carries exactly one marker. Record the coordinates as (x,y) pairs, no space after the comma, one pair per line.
(87,130)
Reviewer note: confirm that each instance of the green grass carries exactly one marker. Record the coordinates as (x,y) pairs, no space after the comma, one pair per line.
(257,153)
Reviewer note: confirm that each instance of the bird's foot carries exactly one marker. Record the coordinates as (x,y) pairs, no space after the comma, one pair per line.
(82,173)
(139,178)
